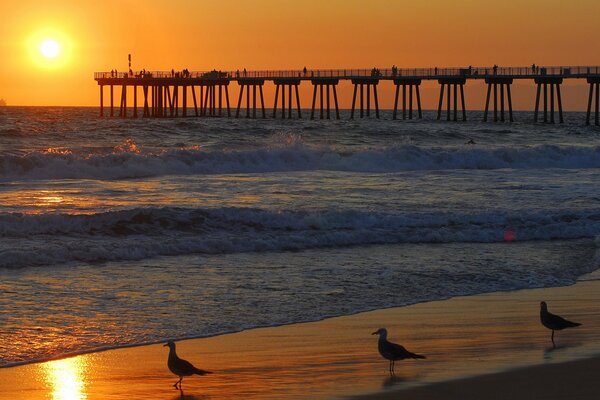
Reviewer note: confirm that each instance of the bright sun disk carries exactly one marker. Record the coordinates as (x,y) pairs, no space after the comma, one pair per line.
(50,48)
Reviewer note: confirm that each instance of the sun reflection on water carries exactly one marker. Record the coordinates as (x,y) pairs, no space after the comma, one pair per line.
(66,378)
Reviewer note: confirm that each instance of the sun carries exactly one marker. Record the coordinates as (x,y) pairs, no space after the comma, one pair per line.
(50,48)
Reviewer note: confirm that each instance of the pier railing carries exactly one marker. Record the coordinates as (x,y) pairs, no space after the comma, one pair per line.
(533,71)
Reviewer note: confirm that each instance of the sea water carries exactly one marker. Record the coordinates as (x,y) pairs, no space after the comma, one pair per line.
(116,232)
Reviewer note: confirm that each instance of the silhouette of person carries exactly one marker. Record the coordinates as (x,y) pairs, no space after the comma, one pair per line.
(495,69)
(304,71)
(244,72)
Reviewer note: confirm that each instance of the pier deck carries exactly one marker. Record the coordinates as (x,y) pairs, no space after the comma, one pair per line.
(161,90)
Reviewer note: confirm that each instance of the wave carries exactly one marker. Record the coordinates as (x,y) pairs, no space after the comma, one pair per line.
(128,161)
(35,240)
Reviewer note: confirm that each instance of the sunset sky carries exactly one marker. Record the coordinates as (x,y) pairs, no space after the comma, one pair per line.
(283,34)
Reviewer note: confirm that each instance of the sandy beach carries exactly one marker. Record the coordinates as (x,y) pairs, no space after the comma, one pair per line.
(484,346)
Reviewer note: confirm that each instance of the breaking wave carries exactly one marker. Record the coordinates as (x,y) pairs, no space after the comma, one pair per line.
(150,232)
(130,162)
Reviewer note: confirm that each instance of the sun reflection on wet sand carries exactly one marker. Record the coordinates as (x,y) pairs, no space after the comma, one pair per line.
(66,378)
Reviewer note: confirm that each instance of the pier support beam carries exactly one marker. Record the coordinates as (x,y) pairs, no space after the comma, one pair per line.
(102,100)
(256,85)
(184,90)
(146,112)
(135,101)
(594,83)
(453,83)
(411,83)
(211,97)
(283,86)
(492,83)
(542,83)
(327,85)
(123,104)
(360,83)
(111,101)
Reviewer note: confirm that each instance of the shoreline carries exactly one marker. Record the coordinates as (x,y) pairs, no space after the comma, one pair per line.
(249,329)
(463,337)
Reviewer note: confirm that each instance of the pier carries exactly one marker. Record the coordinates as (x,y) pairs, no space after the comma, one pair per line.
(168,94)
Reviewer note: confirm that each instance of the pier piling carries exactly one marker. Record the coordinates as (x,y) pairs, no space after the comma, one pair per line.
(329,85)
(255,85)
(360,83)
(594,83)
(455,83)
(492,83)
(542,86)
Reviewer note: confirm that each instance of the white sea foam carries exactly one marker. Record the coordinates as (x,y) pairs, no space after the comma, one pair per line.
(149,232)
(124,163)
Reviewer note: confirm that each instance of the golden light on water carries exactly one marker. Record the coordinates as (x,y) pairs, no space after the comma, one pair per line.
(66,378)
(51,199)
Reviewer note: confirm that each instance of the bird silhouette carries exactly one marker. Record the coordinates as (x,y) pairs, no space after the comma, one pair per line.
(392,351)
(181,367)
(554,322)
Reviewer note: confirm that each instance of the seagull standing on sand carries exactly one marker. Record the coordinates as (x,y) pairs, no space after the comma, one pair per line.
(392,351)
(554,322)
(181,367)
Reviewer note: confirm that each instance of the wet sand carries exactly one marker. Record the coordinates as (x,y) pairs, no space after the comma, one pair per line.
(574,380)
(469,342)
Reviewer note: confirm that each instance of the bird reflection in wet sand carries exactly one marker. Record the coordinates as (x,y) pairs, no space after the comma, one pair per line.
(554,322)
(392,351)
(181,367)
(393,380)
(183,396)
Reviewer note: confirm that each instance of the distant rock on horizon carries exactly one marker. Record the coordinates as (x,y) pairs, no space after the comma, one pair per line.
(2,102)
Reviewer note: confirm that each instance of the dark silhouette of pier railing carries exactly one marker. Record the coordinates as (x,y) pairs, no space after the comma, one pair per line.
(161,90)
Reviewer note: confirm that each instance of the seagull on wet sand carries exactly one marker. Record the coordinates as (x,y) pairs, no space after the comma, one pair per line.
(392,351)
(554,322)
(181,367)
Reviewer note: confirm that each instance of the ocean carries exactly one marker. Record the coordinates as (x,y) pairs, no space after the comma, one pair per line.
(121,232)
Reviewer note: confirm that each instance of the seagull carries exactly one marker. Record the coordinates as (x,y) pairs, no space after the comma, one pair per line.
(392,351)
(181,367)
(554,322)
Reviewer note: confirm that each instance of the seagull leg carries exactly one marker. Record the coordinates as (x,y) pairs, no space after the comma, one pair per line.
(552,337)
(177,384)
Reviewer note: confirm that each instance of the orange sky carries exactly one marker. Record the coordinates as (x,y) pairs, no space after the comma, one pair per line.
(282,34)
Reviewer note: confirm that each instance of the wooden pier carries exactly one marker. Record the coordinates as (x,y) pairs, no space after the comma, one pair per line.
(167,94)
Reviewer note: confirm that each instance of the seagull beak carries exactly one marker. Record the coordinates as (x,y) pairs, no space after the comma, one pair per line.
(375,333)
(165,345)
